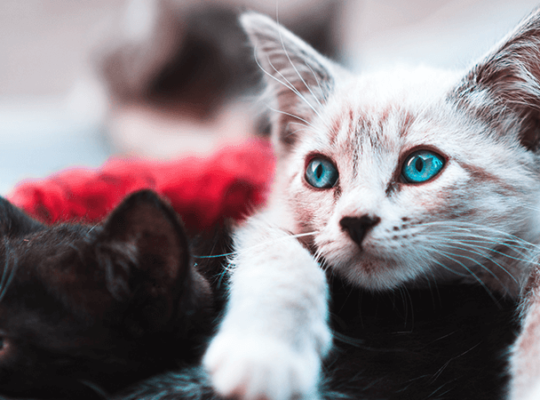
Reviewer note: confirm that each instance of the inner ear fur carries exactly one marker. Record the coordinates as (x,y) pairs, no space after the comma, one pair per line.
(145,251)
(299,79)
(509,81)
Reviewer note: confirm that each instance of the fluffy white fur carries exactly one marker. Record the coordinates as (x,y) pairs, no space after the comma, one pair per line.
(525,353)
(477,221)
(275,353)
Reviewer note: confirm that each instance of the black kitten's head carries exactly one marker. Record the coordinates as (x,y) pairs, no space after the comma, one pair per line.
(85,309)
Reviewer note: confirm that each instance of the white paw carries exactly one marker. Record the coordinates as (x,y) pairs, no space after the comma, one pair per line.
(261,368)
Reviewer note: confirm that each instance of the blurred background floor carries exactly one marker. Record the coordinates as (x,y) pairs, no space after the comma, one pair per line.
(51,119)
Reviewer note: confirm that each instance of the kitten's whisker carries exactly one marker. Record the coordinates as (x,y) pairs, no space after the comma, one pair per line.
(288,85)
(301,77)
(78,251)
(488,235)
(258,245)
(303,129)
(407,301)
(477,262)
(216,255)
(454,225)
(6,267)
(230,266)
(448,269)
(292,115)
(91,229)
(472,273)
(317,79)
(531,208)
(484,241)
(435,284)
(296,131)
(449,256)
(504,238)
(95,388)
(319,260)
(269,74)
(226,271)
(9,279)
(304,126)
(294,66)
(464,243)
(524,254)
(291,87)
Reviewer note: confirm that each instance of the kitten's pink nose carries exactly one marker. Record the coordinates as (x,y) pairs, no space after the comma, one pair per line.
(357,227)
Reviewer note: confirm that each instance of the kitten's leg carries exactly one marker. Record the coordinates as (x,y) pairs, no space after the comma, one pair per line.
(275,330)
(525,357)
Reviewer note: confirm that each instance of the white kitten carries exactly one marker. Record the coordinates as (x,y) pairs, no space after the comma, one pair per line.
(393,178)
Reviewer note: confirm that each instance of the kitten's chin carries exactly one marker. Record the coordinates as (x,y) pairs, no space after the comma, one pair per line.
(374,273)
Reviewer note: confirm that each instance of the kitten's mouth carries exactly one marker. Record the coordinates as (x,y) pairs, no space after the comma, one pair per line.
(370,267)
(370,272)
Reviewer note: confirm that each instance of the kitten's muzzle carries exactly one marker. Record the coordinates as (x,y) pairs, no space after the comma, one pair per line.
(358,227)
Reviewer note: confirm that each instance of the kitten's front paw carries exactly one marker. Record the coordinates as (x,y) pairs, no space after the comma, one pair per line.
(261,368)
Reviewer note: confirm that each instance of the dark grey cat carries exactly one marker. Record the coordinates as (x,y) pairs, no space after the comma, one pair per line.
(88,310)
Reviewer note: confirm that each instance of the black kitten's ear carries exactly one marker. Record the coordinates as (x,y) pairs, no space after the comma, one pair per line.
(505,86)
(299,78)
(146,257)
(14,222)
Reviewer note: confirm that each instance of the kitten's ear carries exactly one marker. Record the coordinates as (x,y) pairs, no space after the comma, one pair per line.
(505,85)
(144,250)
(298,77)
(14,222)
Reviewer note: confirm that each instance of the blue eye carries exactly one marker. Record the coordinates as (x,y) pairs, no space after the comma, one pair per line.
(421,166)
(321,173)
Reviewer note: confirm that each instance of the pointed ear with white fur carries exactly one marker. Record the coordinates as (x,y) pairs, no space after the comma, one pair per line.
(505,86)
(299,78)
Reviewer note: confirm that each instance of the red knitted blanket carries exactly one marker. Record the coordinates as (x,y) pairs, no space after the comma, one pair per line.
(203,191)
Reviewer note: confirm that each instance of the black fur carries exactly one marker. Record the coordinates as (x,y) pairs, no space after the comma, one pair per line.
(447,342)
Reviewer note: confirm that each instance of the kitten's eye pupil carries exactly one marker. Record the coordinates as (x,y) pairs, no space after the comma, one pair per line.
(421,166)
(321,173)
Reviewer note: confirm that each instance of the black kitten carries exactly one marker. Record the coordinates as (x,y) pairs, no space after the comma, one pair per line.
(86,311)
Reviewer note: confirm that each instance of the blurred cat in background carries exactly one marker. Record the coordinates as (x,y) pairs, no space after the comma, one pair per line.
(179,76)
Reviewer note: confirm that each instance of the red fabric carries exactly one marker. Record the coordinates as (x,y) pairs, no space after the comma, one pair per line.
(202,190)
